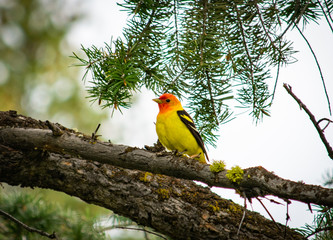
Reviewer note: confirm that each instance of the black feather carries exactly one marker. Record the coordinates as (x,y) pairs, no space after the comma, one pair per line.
(189,123)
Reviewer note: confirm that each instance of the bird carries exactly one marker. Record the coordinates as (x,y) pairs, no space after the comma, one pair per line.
(176,129)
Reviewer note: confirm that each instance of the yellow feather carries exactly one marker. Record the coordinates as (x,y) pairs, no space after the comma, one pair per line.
(187,118)
(174,135)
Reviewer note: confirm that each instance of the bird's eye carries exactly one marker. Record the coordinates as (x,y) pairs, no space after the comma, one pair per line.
(168,100)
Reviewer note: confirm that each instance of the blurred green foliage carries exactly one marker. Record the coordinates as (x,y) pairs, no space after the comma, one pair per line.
(69,218)
(36,79)
(35,211)
(36,74)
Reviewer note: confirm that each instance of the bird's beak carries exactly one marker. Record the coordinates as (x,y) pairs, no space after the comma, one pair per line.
(157,100)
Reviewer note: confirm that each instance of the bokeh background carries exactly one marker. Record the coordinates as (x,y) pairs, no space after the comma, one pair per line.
(38,78)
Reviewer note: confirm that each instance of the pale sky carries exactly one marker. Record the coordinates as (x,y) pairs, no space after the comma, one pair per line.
(285,143)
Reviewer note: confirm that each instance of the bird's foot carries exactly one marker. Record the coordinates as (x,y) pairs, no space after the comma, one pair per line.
(162,153)
(195,156)
(179,154)
(158,147)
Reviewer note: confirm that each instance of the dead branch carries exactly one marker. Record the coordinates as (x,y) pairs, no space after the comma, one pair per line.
(313,120)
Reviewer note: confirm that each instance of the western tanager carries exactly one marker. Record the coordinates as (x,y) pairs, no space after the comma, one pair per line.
(176,130)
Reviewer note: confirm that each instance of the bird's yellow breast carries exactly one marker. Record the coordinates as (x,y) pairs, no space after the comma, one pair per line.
(174,135)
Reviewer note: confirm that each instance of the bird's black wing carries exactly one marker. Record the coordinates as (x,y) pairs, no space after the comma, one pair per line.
(189,123)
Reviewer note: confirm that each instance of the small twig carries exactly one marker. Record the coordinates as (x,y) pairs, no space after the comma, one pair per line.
(273,201)
(287,218)
(141,35)
(277,75)
(240,26)
(328,123)
(111,227)
(317,230)
(211,96)
(136,229)
(270,215)
(310,208)
(94,135)
(30,229)
(318,66)
(165,89)
(313,120)
(205,9)
(276,81)
(176,24)
(263,25)
(325,119)
(243,217)
(55,129)
(327,20)
(328,11)
(292,20)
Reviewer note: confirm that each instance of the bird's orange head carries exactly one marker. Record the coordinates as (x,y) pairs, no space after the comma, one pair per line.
(168,102)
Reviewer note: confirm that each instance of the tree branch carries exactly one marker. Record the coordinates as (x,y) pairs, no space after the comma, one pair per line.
(136,229)
(318,66)
(28,228)
(211,96)
(257,181)
(240,26)
(318,230)
(292,18)
(328,11)
(264,27)
(178,208)
(313,120)
(326,17)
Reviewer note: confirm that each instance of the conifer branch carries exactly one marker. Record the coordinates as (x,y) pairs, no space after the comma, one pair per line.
(263,26)
(175,3)
(276,81)
(292,19)
(318,66)
(211,96)
(28,228)
(240,27)
(321,229)
(203,34)
(328,11)
(325,15)
(198,37)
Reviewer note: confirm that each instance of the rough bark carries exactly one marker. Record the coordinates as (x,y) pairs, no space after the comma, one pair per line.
(176,207)
(257,181)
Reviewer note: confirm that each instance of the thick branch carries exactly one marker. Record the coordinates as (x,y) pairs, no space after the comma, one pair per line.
(176,207)
(257,181)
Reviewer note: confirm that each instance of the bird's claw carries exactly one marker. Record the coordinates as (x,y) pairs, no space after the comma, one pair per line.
(195,156)
(162,153)
(179,154)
